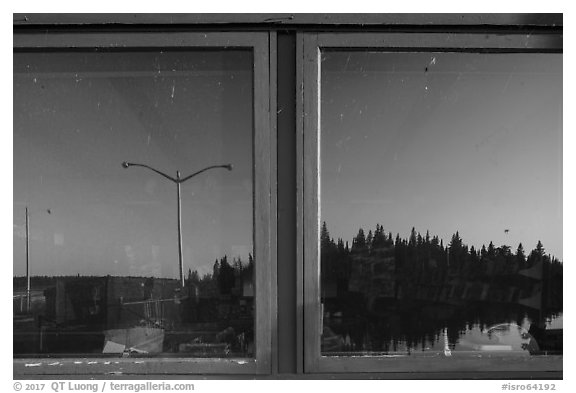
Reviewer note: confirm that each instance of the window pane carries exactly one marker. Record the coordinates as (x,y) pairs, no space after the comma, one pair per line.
(103,248)
(441,203)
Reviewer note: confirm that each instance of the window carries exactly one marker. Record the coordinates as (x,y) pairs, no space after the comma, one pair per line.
(120,250)
(432,179)
(287,196)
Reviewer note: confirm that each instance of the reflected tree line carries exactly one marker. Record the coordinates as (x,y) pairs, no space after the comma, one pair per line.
(386,293)
(227,284)
(224,276)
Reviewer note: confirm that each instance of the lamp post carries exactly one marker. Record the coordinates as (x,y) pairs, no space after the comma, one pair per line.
(178,180)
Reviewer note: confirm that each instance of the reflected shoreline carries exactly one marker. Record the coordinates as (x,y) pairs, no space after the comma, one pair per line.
(405,295)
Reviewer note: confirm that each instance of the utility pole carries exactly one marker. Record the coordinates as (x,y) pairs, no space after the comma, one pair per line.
(27,263)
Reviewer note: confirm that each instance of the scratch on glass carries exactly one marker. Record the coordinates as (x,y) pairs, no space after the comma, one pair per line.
(347,61)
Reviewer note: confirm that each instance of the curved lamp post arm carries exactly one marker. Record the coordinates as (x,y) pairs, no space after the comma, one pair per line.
(227,166)
(129,164)
(177,180)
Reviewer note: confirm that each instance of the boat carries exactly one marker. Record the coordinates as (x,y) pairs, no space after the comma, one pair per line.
(138,339)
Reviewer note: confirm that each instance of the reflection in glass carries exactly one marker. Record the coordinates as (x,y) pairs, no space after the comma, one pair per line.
(103,240)
(441,203)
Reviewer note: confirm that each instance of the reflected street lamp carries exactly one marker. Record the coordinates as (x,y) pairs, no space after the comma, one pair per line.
(178,180)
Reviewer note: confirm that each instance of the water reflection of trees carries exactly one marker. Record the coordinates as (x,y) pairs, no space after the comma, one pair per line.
(383,293)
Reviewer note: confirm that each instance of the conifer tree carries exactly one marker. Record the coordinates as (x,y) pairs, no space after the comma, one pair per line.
(359,242)
(324,237)
(540,249)
(520,256)
(491,252)
(412,241)
(226,276)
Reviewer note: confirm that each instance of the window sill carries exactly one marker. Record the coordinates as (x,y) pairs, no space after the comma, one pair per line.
(133,367)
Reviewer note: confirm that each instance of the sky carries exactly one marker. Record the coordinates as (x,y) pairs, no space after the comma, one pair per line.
(78,116)
(443,142)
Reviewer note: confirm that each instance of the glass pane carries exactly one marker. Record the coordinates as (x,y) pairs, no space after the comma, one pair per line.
(101,240)
(441,203)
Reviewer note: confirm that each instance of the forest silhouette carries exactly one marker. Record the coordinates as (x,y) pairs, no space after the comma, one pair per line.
(383,292)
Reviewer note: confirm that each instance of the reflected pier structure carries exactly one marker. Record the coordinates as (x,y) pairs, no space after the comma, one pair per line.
(138,316)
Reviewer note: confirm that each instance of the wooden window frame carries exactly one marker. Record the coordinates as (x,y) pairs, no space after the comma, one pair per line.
(264,217)
(308,199)
(286,173)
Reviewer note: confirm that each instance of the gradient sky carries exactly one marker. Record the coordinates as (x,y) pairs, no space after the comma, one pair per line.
(78,116)
(443,142)
(473,144)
